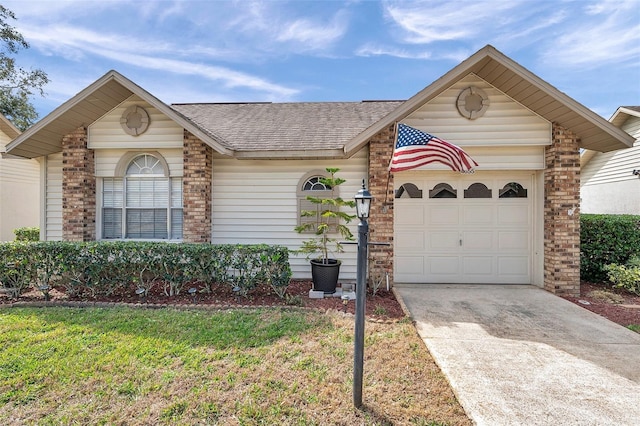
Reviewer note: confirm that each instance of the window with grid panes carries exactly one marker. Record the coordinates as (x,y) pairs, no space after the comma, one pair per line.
(312,185)
(144,204)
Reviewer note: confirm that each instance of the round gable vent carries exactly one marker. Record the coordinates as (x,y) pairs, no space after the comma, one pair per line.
(135,120)
(472,103)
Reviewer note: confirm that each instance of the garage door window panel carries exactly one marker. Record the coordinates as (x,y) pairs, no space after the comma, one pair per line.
(443,190)
(513,190)
(477,190)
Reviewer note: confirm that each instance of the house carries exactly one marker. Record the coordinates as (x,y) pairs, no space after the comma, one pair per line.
(610,181)
(19,186)
(119,163)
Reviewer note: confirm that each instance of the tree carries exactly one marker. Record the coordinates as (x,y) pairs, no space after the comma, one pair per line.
(16,83)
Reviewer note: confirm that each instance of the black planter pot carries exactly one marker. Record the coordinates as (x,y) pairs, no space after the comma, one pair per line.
(325,275)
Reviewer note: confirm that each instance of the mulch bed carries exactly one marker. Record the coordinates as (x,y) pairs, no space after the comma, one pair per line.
(614,304)
(381,306)
(622,308)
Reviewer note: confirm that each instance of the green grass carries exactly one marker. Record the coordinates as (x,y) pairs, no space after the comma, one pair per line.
(634,327)
(107,366)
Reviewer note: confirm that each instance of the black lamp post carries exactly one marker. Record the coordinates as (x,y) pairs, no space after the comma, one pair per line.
(363,204)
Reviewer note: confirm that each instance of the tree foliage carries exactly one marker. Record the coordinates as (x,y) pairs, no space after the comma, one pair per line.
(17,84)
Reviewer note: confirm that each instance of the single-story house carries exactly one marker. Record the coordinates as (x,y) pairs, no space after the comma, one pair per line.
(610,181)
(118,163)
(19,186)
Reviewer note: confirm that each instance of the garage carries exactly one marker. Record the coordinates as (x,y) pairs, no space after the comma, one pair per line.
(456,228)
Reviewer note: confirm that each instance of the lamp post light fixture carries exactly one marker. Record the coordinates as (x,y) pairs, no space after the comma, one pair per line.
(363,204)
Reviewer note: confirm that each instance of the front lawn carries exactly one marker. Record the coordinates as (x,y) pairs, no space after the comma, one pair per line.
(263,366)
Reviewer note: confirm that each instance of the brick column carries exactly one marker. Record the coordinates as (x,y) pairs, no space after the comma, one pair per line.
(196,190)
(381,188)
(561,214)
(78,188)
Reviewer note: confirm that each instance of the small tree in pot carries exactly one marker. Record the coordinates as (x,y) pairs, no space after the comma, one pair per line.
(329,229)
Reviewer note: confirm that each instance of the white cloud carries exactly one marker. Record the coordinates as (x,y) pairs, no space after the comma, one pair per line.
(278,29)
(428,22)
(373,50)
(77,44)
(610,32)
(312,35)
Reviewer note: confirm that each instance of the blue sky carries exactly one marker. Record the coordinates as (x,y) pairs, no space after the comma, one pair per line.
(281,51)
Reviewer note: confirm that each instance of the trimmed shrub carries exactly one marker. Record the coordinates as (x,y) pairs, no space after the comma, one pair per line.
(626,277)
(27,234)
(102,268)
(606,239)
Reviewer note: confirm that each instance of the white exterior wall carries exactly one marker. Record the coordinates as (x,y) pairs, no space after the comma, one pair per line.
(507,137)
(107,133)
(255,202)
(19,192)
(51,224)
(608,185)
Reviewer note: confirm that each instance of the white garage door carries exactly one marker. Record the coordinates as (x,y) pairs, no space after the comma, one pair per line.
(452,228)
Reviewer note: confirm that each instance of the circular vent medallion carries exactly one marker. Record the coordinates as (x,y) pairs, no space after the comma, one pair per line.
(134,120)
(472,103)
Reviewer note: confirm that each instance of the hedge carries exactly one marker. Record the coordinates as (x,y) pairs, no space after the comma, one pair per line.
(27,234)
(606,239)
(102,268)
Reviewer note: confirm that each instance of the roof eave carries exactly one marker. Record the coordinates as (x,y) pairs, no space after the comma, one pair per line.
(16,147)
(290,154)
(8,127)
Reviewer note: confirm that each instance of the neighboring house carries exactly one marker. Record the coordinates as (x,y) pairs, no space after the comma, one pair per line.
(19,186)
(120,164)
(610,181)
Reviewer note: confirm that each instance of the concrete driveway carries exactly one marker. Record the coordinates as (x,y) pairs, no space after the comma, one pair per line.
(518,355)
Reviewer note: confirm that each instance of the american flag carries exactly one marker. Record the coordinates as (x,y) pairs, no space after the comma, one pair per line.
(415,148)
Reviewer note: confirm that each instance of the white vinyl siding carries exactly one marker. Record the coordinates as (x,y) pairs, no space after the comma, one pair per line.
(607,182)
(107,133)
(507,137)
(19,193)
(256,202)
(53,198)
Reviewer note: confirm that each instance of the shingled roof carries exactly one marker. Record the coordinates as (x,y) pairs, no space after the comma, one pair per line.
(288,127)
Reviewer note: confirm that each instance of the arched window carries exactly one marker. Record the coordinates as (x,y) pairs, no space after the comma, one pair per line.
(311,185)
(145,203)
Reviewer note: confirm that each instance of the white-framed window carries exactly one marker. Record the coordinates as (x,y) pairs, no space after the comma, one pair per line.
(144,204)
(311,185)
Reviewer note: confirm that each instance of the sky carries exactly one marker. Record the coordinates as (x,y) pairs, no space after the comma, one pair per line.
(293,51)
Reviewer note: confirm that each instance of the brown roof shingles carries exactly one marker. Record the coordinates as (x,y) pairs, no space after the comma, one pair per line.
(286,126)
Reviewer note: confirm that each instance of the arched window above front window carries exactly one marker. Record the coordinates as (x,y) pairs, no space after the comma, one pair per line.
(314,183)
(145,165)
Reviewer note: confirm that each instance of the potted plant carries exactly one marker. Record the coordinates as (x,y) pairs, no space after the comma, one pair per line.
(329,229)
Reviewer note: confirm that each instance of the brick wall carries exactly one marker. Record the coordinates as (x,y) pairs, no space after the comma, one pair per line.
(381,215)
(196,187)
(78,188)
(561,214)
